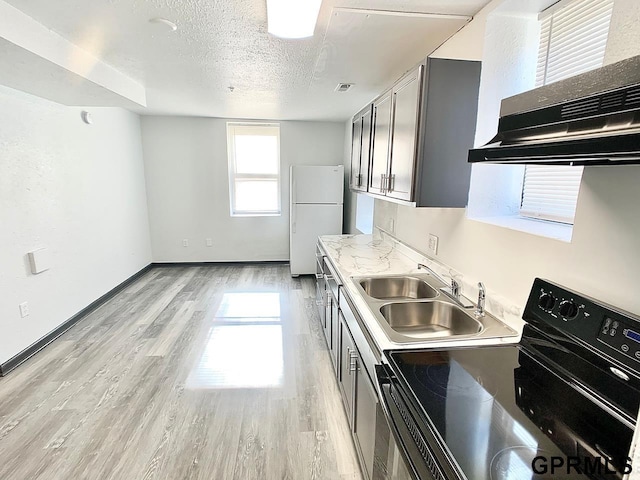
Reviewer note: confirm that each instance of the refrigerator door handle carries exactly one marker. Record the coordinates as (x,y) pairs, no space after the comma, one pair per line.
(293,218)
(294,191)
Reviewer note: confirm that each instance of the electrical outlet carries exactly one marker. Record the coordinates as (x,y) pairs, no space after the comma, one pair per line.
(24,309)
(185,243)
(433,244)
(209,242)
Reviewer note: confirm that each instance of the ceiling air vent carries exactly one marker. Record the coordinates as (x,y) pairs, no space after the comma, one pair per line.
(343,87)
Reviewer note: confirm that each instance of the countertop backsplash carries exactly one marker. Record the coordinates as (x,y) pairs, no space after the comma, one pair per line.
(382,254)
(496,304)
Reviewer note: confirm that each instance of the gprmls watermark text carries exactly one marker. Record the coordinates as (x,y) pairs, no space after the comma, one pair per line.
(585,465)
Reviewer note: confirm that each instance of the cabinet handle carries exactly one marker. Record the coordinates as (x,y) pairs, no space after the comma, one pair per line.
(353,362)
(391,180)
(383,178)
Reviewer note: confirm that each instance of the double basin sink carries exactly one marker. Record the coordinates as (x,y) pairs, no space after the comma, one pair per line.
(411,309)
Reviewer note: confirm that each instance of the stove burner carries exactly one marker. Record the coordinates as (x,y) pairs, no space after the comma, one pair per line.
(440,380)
(515,462)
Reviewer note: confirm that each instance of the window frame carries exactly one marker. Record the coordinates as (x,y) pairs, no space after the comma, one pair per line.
(247,127)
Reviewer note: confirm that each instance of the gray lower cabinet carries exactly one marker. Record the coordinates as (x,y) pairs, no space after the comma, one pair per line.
(332,309)
(347,368)
(360,397)
(330,327)
(354,361)
(334,324)
(326,318)
(365,414)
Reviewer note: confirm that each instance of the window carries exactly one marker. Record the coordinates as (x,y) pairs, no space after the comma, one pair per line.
(573,37)
(254,168)
(364,213)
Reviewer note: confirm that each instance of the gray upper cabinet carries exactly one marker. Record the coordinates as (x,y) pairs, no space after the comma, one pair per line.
(449,113)
(382,109)
(356,150)
(422,129)
(360,149)
(404,136)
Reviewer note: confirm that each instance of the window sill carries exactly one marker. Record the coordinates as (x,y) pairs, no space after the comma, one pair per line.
(279,214)
(542,228)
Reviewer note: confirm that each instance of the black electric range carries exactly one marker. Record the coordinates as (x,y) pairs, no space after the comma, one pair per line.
(560,404)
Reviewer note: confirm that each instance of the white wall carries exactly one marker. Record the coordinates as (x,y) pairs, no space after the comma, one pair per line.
(188,188)
(78,190)
(602,260)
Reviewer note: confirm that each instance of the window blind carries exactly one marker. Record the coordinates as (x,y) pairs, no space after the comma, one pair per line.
(573,38)
(551,192)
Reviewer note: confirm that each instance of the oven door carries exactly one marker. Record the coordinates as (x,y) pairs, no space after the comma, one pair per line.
(412,443)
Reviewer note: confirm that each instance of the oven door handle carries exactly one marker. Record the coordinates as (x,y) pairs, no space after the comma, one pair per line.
(383,385)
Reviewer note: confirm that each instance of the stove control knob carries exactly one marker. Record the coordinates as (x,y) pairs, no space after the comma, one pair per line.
(547,302)
(568,309)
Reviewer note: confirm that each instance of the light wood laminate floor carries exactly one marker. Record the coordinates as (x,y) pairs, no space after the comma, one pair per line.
(214,372)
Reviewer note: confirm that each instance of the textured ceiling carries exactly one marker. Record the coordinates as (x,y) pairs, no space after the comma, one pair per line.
(222,43)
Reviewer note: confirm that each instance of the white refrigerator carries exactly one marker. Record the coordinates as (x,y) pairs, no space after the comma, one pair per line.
(316,209)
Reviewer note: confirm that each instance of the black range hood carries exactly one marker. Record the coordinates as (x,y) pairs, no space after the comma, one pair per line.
(590,119)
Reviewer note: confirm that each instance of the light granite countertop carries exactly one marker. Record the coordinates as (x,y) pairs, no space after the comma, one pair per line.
(380,254)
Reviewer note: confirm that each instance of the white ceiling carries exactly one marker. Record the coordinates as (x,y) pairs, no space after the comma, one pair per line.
(222,43)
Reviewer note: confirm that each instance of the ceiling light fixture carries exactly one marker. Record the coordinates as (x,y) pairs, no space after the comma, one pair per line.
(165,22)
(292,18)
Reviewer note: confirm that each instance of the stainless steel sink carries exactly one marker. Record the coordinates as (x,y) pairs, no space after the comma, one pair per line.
(416,307)
(429,319)
(387,288)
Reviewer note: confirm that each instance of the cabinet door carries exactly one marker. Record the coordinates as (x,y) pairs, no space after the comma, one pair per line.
(380,143)
(326,326)
(406,101)
(365,416)
(356,149)
(346,368)
(365,149)
(335,319)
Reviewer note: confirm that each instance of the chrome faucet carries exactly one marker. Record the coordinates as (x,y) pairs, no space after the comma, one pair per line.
(431,272)
(482,295)
(455,288)
(452,291)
